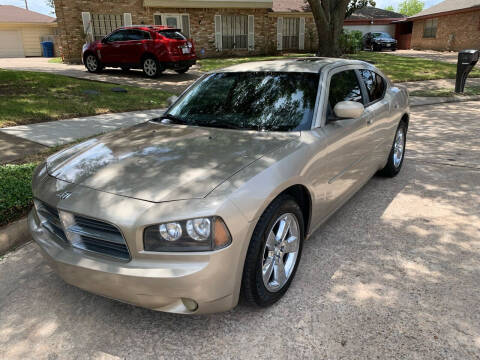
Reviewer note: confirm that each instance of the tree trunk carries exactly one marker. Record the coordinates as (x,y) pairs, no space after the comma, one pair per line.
(329,16)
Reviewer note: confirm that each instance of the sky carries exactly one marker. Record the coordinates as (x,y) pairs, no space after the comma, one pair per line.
(41,6)
(384,3)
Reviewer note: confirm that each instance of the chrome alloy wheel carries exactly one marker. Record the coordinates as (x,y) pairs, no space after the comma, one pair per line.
(150,67)
(281,252)
(398,147)
(92,63)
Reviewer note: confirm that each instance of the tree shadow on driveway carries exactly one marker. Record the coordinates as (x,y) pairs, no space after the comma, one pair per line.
(393,274)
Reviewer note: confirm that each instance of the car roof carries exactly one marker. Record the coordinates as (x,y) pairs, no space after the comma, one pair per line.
(306,65)
(149,27)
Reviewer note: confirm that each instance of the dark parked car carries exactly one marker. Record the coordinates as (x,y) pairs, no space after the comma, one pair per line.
(150,48)
(377,41)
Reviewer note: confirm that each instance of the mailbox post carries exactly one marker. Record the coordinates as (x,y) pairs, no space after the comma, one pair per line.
(467,59)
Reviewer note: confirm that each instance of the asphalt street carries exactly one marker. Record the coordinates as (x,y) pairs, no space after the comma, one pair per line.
(394,274)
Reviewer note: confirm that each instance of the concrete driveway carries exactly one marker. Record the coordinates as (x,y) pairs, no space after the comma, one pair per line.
(393,275)
(169,81)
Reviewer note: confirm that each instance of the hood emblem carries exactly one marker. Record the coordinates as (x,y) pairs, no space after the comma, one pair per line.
(65,195)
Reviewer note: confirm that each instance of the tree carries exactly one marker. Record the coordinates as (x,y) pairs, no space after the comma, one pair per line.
(410,7)
(390,8)
(50,3)
(329,16)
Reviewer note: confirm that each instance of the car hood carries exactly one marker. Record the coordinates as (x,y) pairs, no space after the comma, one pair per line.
(156,162)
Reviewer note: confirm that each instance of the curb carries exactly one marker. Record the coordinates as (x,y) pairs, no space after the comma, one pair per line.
(424,101)
(14,235)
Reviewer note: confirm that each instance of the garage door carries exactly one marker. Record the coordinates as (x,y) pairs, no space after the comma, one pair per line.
(11,44)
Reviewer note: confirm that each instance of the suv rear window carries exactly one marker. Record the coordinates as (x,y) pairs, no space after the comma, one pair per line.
(172,34)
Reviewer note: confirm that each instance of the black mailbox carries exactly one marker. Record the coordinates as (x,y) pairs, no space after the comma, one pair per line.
(466,61)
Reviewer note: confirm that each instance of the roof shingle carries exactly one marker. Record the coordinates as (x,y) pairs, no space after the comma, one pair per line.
(448,5)
(14,14)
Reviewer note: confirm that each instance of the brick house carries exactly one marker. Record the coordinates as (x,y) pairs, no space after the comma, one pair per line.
(450,25)
(218,27)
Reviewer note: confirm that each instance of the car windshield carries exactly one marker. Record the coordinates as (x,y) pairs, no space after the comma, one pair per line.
(263,101)
(172,34)
(382,35)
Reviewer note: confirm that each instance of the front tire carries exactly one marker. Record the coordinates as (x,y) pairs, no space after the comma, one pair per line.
(397,153)
(274,252)
(92,63)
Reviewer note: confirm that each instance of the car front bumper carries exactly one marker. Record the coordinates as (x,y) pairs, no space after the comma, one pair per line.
(187,283)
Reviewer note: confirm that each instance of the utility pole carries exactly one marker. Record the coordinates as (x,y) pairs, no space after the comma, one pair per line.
(26,5)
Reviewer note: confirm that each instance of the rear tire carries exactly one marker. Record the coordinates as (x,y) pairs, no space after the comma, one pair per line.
(397,153)
(92,63)
(182,70)
(272,260)
(151,67)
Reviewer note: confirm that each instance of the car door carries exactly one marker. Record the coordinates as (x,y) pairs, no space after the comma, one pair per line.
(342,169)
(378,105)
(111,50)
(134,46)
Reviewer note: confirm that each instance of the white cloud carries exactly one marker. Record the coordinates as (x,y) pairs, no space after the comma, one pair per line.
(34,5)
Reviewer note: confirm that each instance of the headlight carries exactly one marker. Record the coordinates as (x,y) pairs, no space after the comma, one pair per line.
(200,234)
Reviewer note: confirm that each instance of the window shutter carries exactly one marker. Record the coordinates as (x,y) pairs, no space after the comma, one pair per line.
(218,32)
(301,34)
(186,26)
(127,19)
(280,33)
(87,26)
(251,33)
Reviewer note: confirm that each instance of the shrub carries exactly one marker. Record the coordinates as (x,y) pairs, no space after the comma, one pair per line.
(15,191)
(351,41)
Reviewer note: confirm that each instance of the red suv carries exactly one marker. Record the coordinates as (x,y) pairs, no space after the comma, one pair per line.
(150,48)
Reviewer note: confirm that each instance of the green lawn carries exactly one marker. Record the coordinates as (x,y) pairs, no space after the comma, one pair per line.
(30,97)
(15,191)
(57,60)
(401,69)
(211,64)
(469,90)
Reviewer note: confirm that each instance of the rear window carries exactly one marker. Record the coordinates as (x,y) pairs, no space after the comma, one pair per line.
(172,34)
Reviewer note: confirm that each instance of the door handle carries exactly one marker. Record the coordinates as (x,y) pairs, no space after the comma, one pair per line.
(138,44)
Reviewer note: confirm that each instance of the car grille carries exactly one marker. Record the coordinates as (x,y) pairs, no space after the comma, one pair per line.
(87,234)
(51,221)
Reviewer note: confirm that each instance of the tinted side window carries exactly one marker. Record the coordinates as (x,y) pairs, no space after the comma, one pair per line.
(138,35)
(344,86)
(117,36)
(374,83)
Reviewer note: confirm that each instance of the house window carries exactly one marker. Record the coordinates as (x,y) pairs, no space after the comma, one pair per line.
(291,33)
(102,24)
(177,21)
(235,31)
(430,28)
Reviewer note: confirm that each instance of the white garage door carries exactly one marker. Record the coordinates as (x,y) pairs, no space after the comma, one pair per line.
(11,44)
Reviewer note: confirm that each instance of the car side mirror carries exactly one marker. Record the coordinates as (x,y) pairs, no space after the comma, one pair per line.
(172,100)
(348,110)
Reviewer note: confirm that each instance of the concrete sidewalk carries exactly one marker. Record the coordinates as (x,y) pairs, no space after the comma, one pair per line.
(61,132)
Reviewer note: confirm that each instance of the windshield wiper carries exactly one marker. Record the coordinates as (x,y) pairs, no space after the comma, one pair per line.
(172,119)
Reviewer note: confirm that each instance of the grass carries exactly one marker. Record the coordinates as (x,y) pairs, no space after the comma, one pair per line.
(15,191)
(30,97)
(445,92)
(401,69)
(57,60)
(211,64)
